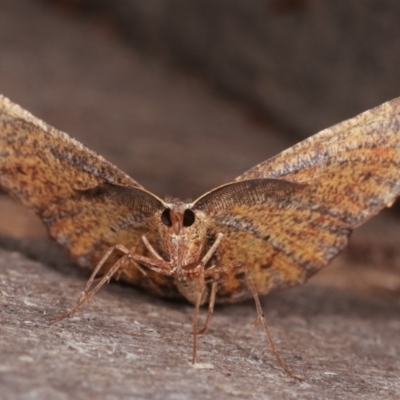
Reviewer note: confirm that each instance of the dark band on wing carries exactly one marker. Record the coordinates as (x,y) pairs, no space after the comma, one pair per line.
(133,198)
(248,192)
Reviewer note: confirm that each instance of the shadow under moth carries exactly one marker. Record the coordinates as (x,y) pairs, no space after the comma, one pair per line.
(270,229)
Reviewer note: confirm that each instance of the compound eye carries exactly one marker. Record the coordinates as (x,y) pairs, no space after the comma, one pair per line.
(166,217)
(188,218)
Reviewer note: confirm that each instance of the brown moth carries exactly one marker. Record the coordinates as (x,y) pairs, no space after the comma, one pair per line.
(270,229)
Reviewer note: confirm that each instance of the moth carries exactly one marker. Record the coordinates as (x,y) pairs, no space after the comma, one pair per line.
(270,229)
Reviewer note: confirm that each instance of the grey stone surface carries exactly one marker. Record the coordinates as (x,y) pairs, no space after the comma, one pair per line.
(126,344)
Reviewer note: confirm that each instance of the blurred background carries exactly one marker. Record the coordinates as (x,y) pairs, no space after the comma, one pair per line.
(186,95)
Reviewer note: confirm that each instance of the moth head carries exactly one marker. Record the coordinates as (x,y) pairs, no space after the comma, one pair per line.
(182,233)
(176,220)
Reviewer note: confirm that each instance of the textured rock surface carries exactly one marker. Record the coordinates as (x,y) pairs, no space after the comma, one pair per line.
(126,344)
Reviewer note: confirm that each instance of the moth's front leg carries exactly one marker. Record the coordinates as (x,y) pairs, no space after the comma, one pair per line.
(156,265)
(108,253)
(151,249)
(88,293)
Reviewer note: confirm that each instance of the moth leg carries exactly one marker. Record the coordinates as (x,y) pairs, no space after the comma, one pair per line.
(160,266)
(119,247)
(213,271)
(211,303)
(212,249)
(88,294)
(210,311)
(261,317)
(196,315)
(151,248)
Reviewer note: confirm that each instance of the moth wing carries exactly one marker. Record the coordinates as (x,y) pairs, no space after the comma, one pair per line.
(353,166)
(332,182)
(87,204)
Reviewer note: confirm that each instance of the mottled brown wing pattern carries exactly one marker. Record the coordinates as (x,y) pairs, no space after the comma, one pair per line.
(279,235)
(348,173)
(354,164)
(87,204)
(283,219)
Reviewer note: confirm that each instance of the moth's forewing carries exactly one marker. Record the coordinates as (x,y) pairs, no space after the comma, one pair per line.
(350,172)
(66,185)
(354,165)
